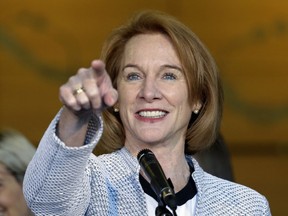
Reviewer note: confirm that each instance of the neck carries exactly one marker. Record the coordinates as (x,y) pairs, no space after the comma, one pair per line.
(176,168)
(173,162)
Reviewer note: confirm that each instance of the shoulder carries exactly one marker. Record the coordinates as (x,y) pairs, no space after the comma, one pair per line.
(226,196)
(235,192)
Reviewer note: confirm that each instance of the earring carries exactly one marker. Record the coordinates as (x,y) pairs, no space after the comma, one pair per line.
(116,109)
(196,111)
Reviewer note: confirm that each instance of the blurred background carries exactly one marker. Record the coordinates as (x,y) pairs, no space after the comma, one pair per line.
(43,42)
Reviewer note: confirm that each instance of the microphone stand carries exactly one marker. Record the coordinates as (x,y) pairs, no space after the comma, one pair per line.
(162,211)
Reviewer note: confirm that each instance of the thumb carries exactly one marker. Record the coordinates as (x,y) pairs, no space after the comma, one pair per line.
(111,97)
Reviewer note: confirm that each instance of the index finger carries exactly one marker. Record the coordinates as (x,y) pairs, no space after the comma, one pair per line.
(99,67)
(103,81)
(102,77)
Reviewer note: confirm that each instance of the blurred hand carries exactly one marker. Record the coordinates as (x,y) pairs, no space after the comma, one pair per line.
(87,92)
(90,89)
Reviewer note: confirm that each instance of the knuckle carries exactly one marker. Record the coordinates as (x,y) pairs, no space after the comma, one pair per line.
(96,103)
(62,90)
(72,79)
(83,101)
(71,103)
(82,71)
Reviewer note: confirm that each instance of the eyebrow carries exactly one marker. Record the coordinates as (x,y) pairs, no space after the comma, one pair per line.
(172,67)
(162,66)
(130,65)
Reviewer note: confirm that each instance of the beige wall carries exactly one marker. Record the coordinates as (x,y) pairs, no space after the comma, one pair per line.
(43,42)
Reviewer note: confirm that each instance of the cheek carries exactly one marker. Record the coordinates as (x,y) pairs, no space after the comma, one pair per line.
(127,96)
(7,197)
(11,194)
(178,97)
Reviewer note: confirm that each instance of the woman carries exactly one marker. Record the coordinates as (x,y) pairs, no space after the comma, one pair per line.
(156,88)
(15,154)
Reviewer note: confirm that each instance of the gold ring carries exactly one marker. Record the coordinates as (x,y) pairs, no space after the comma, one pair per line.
(78,91)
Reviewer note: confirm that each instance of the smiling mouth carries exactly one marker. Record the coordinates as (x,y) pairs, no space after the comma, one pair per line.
(152,114)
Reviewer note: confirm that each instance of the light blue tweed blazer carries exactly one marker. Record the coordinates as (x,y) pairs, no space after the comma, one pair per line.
(67,181)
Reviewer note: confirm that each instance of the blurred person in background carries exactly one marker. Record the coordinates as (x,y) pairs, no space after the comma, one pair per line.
(216,159)
(15,154)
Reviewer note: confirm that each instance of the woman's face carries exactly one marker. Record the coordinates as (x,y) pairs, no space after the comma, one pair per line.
(153,95)
(12,201)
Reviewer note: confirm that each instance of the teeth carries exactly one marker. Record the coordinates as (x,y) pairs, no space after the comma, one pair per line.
(152,114)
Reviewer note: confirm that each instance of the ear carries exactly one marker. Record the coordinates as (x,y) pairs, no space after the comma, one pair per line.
(197,107)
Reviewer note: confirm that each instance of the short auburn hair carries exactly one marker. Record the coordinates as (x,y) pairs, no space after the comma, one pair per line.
(199,69)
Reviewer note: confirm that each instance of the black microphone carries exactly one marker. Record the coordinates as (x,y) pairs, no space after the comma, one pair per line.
(161,186)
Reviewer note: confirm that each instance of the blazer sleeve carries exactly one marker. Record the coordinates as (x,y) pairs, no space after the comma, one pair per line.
(267,211)
(57,179)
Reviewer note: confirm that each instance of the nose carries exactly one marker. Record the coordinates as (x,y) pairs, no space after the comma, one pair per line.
(150,90)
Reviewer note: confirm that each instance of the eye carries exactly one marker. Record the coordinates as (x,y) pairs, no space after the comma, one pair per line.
(133,76)
(169,76)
